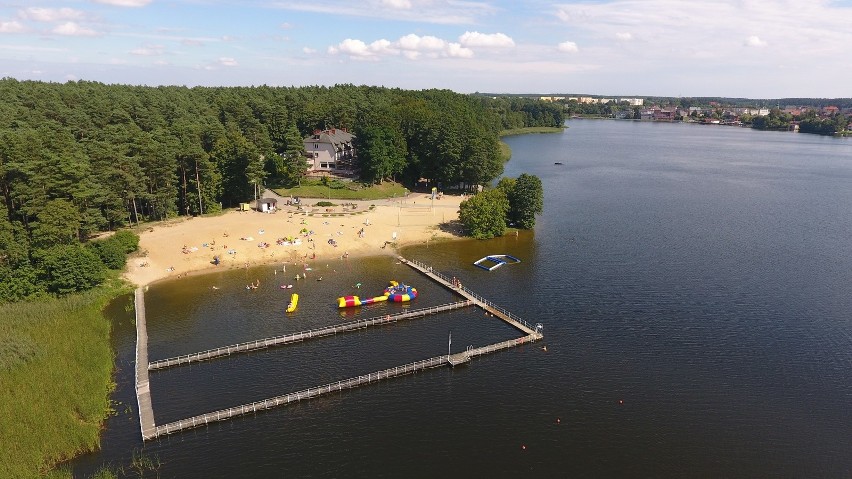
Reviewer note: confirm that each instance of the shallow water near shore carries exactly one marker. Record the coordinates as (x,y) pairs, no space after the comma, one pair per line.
(695,287)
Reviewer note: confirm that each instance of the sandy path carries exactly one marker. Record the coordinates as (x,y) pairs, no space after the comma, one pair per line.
(412,220)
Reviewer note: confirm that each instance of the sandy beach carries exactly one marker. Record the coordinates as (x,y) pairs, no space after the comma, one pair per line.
(179,247)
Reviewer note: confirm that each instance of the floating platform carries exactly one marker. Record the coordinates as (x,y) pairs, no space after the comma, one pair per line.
(494,261)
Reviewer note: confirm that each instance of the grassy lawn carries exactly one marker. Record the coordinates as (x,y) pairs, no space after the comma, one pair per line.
(56,371)
(338,190)
(531,129)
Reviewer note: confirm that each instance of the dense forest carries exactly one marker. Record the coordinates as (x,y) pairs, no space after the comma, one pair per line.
(84,157)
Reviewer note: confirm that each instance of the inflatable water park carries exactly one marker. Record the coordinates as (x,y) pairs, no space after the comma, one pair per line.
(494,261)
(395,293)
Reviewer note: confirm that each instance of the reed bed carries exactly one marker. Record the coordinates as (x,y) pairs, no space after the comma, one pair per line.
(55,379)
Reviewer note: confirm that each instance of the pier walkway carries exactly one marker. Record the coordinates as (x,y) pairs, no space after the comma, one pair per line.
(143,386)
(285,399)
(411,368)
(483,303)
(146,416)
(303,335)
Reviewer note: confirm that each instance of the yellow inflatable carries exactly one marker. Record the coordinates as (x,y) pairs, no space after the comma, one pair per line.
(294,301)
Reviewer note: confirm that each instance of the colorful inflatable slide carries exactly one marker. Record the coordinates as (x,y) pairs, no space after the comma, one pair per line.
(396,292)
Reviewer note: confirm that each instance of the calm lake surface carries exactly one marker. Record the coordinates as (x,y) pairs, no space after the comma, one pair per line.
(695,287)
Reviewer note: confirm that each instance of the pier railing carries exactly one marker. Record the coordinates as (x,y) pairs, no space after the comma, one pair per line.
(141,380)
(136,305)
(150,431)
(449,283)
(302,335)
(313,392)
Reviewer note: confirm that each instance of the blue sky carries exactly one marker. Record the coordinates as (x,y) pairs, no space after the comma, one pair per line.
(735,48)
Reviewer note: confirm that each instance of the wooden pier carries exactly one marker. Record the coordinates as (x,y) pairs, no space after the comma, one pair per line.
(483,303)
(143,387)
(303,335)
(411,368)
(146,415)
(314,392)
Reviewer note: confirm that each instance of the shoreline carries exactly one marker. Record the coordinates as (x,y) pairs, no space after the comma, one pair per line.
(179,248)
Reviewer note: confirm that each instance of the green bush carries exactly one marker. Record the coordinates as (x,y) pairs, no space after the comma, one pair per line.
(70,268)
(20,283)
(128,240)
(113,250)
(111,253)
(325,204)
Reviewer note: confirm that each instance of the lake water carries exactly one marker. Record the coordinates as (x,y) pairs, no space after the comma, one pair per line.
(695,287)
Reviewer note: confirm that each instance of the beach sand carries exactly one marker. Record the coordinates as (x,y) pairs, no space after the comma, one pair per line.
(179,247)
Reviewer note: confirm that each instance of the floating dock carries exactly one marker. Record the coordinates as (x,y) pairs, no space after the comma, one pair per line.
(143,395)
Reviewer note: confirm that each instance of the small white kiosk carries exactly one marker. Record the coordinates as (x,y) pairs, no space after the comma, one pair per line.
(267,205)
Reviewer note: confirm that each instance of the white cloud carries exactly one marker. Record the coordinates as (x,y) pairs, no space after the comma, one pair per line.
(50,14)
(351,47)
(412,42)
(285,26)
(359,50)
(754,41)
(443,12)
(11,27)
(308,50)
(32,48)
(124,3)
(715,29)
(383,47)
(624,36)
(410,46)
(227,62)
(74,30)
(396,4)
(563,15)
(455,50)
(568,47)
(486,40)
(149,50)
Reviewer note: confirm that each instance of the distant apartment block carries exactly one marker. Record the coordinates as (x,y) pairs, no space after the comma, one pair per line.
(632,101)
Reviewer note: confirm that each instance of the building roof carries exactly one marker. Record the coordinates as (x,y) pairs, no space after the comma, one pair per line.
(334,136)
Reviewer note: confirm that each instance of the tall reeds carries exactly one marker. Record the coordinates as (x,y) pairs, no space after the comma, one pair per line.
(55,378)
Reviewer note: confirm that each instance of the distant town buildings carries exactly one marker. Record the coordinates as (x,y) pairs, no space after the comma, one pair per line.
(593,100)
(714,112)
